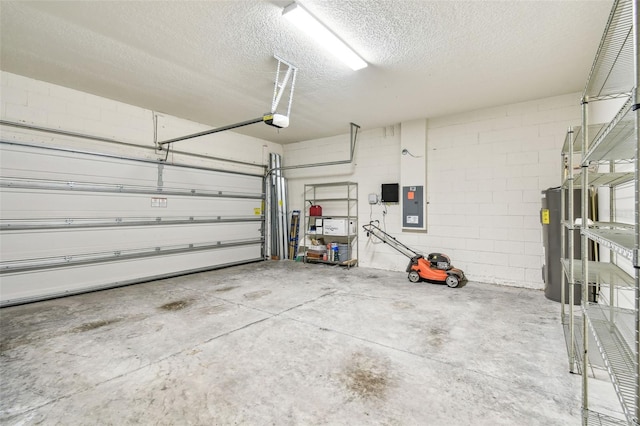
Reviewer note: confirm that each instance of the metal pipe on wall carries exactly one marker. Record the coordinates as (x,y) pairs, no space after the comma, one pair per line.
(283,211)
(266,211)
(111,141)
(276,208)
(273,224)
(352,148)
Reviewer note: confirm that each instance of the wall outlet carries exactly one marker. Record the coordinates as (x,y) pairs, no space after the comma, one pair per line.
(373,199)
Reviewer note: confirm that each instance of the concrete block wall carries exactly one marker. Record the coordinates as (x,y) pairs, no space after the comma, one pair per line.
(485,173)
(38,103)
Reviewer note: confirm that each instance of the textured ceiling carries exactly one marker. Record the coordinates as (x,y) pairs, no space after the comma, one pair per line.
(212,61)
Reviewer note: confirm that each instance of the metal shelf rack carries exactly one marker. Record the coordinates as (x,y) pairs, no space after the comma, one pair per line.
(616,353)
(569,264)
(340,198)
(614,328)
(599,273)
(603,179)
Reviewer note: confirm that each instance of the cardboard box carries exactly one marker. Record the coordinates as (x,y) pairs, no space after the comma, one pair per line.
(339,227)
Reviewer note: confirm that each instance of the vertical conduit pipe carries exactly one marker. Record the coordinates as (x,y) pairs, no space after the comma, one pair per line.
(273,224)
(278,209)
(266,210)
(284,214)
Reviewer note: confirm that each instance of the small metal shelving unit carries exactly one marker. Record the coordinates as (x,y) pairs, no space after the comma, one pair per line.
(339,200)
(612,148)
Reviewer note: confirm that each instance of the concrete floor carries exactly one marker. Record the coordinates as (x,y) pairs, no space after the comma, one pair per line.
(286,343)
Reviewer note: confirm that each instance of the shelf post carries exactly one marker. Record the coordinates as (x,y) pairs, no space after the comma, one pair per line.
(563,249)
(636,110)
(612,253)
(572,279)
(585,258)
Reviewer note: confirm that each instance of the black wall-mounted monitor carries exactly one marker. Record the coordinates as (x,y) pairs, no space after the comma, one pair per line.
(390,193)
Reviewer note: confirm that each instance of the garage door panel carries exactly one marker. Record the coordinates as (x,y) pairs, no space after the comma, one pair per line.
(37,164)
(198,179)
(34,165)
(102,220)
(20,287)
(20,204)
(61,242)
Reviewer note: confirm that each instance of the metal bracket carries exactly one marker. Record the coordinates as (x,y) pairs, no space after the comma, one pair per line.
(279,89)
(160,170)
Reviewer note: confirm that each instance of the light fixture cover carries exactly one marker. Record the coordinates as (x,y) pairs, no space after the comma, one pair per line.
(312,26)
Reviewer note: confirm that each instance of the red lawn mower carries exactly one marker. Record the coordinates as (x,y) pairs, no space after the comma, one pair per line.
(435,268)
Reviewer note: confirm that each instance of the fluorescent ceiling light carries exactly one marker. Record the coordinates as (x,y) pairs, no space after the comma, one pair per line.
(309,24)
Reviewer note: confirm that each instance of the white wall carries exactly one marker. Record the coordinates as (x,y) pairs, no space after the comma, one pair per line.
(43,104)
(485,173)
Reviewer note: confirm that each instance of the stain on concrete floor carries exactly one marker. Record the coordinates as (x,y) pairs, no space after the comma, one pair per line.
(437,336)
(225,289)
(257,294)
(95,324)
(399,304)
(212,309)
(366,377)
(176,305)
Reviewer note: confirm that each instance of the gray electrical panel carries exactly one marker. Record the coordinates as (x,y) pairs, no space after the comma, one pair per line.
(413,207)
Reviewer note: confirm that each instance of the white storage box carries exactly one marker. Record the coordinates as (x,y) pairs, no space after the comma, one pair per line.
(339,227)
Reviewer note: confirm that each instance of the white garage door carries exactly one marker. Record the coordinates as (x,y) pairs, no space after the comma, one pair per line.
(72,222)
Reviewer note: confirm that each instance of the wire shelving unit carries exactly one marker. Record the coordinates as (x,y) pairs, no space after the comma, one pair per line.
(608,158)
